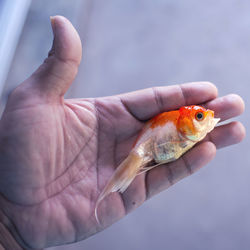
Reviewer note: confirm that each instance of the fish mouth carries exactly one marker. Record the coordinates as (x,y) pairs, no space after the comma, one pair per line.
(212,123)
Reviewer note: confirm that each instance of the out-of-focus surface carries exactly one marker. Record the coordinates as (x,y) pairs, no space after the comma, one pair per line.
(130,45)
(12,16)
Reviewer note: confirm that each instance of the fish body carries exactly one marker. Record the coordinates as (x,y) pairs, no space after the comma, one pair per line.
(164,138)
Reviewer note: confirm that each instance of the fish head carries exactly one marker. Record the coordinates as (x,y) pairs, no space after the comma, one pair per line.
(195,122)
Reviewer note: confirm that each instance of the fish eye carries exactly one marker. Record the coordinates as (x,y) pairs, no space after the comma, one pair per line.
(199,116)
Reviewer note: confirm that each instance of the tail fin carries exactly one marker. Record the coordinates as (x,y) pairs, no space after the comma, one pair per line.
(122,177)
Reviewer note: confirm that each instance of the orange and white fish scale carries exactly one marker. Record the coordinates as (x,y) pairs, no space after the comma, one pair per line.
(161,141)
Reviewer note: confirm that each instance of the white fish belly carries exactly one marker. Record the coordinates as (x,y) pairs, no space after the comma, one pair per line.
(168,145)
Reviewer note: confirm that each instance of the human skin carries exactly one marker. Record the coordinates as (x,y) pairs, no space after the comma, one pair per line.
(57,154)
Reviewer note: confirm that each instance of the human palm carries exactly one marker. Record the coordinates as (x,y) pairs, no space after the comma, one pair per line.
(57,154)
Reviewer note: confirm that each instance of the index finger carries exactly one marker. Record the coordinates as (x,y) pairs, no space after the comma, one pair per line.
(146,103)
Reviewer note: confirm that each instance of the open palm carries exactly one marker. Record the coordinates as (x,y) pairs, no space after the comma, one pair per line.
(56,155)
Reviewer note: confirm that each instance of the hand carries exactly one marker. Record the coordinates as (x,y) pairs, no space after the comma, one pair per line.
(56,155)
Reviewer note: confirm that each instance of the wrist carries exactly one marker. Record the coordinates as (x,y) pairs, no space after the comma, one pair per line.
(7,240)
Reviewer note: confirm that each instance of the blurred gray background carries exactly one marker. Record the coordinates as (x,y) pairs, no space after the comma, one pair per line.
(134,44)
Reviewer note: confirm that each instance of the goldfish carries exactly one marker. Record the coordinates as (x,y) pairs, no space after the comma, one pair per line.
(164,138)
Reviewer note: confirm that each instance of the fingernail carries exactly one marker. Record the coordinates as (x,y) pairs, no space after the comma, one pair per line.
(53,25)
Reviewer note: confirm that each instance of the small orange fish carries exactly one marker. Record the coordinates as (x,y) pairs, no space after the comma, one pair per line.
(163,139)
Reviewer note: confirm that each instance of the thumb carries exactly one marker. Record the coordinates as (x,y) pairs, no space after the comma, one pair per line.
(59,69)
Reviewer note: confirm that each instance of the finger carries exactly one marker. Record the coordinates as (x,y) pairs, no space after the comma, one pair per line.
(226,107)
(162,177)
(226,135)
(144,104)
(58,71)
